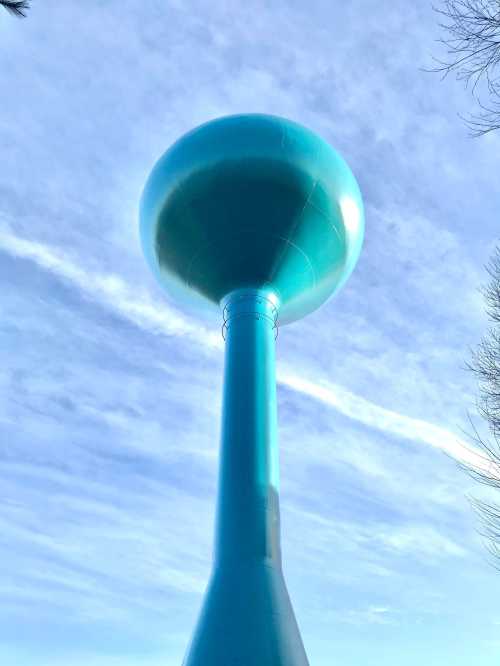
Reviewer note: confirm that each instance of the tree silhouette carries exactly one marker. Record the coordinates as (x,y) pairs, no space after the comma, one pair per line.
(472,39)
(485,365)
(16,7)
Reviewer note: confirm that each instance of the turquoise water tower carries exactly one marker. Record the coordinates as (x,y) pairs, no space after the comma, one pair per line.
(259,220)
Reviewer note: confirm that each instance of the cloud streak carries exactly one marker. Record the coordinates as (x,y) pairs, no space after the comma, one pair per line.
(111,291)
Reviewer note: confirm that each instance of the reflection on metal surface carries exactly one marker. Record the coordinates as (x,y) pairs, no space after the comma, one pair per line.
(258,216)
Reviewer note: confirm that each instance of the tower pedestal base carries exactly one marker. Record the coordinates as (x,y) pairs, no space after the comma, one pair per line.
(247,620)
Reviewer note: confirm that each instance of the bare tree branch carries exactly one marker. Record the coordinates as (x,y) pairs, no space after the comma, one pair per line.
(16,7)
(472,41)
(485,364)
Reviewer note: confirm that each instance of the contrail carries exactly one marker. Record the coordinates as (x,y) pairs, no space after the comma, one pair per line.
(113,292)
(374,416)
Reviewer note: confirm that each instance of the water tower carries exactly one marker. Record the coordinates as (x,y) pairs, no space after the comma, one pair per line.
(259,220)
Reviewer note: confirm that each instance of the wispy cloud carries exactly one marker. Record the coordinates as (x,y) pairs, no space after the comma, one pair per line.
(111,405)
(370,615)
(375,416)
(374,542)
(113,292)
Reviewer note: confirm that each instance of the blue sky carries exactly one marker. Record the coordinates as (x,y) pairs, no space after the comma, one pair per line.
(111,393)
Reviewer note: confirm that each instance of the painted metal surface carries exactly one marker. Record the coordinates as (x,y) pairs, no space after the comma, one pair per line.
(247,618)
(248,201)
(258,216)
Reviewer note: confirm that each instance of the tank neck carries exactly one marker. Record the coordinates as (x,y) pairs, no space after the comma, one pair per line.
(250,301)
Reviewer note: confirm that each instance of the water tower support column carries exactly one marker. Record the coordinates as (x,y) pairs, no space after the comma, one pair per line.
(247,618)
(248,511)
